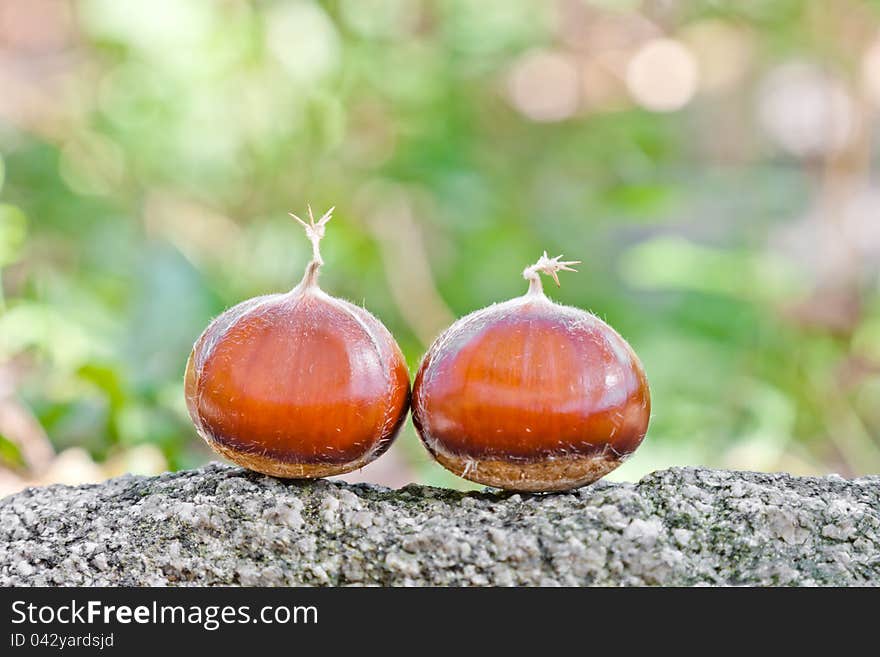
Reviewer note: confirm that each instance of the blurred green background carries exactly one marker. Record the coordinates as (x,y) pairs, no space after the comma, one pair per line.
(712,163)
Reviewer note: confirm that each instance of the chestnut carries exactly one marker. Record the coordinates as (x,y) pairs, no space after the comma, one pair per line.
(531,395)
(298,385)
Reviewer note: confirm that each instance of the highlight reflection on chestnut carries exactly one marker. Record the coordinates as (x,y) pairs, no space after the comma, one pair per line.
(531,395)
(298,385)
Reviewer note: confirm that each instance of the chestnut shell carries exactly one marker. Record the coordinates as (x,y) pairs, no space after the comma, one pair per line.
(531,395)
(297,385)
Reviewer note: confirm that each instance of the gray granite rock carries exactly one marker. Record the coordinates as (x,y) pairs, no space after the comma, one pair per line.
(224,525)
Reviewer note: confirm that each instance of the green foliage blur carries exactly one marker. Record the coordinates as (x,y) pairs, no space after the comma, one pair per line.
(711,163)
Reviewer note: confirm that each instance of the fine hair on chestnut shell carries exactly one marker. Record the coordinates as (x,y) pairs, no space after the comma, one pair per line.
(298,385)
(531,395)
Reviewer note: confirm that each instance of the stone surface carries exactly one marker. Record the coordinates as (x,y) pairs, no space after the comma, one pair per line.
(223,525)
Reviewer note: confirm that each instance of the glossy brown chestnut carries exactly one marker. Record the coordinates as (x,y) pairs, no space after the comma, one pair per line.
(298,385)
(531,395)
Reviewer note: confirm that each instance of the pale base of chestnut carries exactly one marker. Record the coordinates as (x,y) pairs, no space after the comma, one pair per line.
(274,468)
(556,474)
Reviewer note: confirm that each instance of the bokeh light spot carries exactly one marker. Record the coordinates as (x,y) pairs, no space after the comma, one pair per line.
(662,75)
(805,110)
(545,86)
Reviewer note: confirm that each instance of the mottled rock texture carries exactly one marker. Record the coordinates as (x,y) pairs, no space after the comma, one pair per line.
(223,525)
